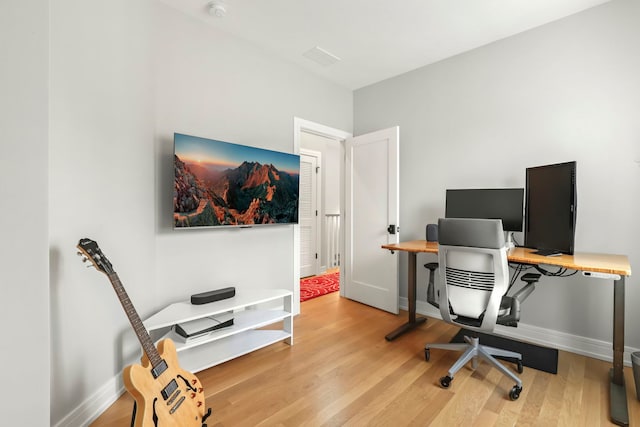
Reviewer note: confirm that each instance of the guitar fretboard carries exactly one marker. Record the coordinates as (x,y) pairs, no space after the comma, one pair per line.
(141,332)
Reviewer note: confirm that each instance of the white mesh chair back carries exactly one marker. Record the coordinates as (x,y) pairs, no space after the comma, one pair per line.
(473,270)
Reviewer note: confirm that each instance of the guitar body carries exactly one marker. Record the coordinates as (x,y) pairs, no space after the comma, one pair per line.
(184,407)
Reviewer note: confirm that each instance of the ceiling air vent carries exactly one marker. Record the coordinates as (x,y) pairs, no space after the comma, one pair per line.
(321,56)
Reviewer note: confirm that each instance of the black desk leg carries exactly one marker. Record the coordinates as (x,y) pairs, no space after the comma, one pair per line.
(411,290)
(618,392)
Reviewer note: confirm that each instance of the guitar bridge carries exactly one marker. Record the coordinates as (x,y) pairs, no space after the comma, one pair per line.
(173,398)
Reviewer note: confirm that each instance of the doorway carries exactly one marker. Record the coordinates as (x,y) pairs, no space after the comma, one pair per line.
(330,142)
(374,153)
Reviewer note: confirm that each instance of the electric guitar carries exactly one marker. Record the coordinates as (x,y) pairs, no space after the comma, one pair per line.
(164,393)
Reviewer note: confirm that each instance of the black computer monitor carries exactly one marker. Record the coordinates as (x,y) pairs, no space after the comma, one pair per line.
(490,203)
(551,205)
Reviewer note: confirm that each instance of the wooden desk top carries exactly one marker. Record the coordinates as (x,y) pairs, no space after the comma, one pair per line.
(602,263)
(414,246)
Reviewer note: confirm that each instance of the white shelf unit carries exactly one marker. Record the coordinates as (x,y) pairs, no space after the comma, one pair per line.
(250,313)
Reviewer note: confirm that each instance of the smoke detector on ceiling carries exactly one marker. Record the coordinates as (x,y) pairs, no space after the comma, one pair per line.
(218,8)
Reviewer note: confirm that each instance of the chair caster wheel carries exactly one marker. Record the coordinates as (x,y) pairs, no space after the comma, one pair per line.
(514,394)
(520,367)
(445,382)
(427,354)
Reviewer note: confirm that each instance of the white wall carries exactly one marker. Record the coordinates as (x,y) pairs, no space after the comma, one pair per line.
(24,254)
(215,86)
(101,186)
(125,76)
(566,91)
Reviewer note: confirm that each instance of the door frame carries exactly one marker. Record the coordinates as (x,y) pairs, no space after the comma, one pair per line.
(318,195)
(299,126)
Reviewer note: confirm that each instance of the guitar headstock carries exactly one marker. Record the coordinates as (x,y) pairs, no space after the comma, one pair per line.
(90,251)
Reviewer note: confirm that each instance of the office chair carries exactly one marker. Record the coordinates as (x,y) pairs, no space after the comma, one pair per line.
(474,281)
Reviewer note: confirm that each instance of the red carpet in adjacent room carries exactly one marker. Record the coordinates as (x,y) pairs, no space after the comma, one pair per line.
(316,286)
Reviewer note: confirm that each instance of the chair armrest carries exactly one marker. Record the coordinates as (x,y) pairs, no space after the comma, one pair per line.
(431,292)
(512,317)
(530,277)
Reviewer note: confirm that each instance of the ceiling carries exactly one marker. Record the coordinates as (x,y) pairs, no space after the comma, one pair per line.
(377,39)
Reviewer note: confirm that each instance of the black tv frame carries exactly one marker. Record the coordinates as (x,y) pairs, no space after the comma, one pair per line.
(551,208)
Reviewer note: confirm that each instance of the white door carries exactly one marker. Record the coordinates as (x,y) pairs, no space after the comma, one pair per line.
(371,218)
(308,215)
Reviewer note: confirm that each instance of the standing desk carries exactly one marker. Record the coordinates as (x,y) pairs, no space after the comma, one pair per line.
(616,267)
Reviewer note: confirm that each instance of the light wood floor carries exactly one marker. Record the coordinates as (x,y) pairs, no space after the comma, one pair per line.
(341,371)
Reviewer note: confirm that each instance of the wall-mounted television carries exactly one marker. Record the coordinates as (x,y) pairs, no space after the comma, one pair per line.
(221,184)
(551,205)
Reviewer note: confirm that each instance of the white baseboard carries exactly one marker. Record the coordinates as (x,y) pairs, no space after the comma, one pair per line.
(95,405)
(589,347)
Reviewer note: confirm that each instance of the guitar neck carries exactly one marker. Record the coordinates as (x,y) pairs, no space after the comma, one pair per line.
(141,332)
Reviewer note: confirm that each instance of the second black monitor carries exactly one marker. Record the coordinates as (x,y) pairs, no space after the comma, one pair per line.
(506,204)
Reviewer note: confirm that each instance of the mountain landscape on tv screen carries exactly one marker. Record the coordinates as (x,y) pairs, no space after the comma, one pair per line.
(251,193)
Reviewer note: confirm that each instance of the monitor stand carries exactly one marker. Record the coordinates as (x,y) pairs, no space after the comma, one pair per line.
(548,252)
(509,240)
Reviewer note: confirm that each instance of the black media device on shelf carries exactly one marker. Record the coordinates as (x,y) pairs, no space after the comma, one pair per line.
(211,296)
(551,206)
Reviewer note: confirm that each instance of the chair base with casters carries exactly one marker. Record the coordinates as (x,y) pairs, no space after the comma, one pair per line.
(473,351)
